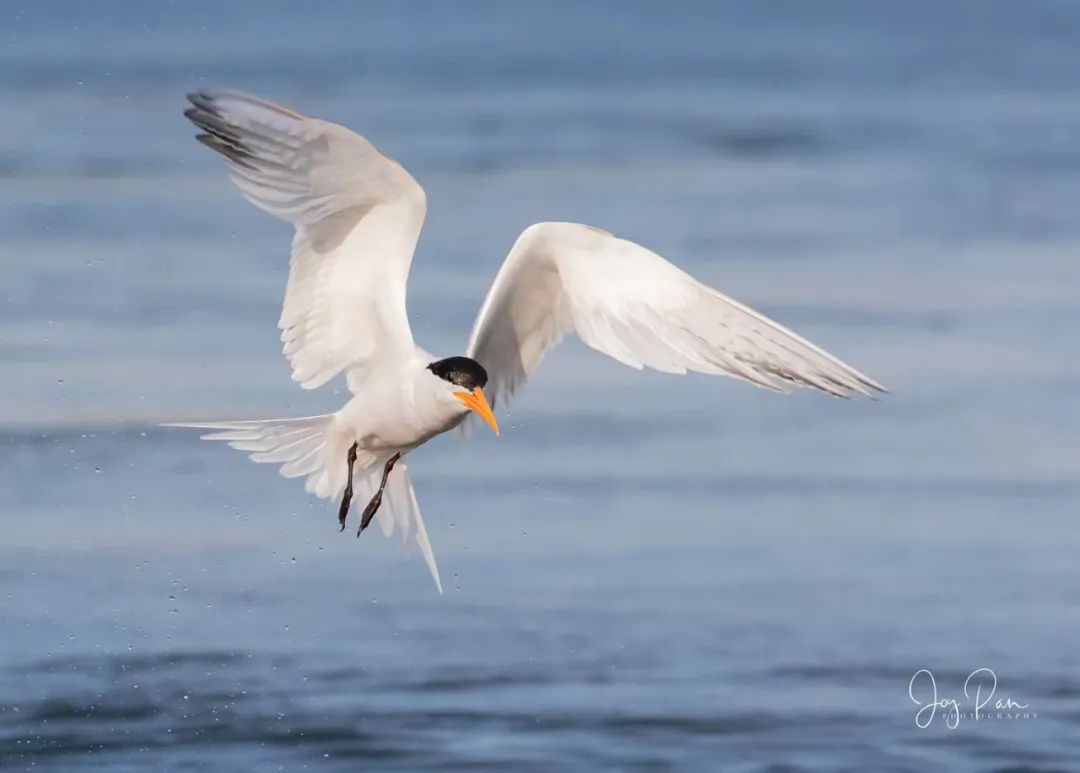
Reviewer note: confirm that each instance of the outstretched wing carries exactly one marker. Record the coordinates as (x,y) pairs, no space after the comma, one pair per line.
(631,304)
(357,214)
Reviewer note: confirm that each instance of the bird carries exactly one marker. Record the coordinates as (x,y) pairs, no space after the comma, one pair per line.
(357,215)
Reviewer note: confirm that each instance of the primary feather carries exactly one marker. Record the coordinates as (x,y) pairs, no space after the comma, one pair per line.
(633,305)
(357,214)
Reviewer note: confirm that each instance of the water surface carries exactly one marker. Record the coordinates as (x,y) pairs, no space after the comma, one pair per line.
(643,572)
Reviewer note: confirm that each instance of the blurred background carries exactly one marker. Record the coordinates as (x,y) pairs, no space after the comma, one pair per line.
(644,572)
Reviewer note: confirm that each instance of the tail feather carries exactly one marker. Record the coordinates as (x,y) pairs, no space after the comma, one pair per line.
(308,446)
(304,465)
(399,511)
(297,444)
(292,449)
(247,441)
(406,511)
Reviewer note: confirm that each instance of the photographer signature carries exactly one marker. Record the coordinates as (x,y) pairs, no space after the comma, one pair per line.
(979,689)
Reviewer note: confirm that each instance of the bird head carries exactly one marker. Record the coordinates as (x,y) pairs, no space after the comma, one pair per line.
(466,378)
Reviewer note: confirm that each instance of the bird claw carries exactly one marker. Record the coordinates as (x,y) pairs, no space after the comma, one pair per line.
(369,512)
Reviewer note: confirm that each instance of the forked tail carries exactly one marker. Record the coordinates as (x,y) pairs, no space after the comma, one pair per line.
(298,445)
(310,446)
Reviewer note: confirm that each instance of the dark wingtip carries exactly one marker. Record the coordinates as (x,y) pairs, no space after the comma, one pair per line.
(235,153)
(202,99)
(876,387)
(217,134)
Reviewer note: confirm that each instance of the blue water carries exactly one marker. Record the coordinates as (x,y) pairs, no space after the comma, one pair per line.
(644,572)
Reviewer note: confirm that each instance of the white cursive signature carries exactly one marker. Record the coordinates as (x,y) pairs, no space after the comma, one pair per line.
(979,689)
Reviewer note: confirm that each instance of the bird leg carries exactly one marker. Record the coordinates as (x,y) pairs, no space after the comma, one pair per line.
(343,513)
(373,505)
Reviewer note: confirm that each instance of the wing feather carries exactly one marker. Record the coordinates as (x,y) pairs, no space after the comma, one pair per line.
(357,214)
(636,307)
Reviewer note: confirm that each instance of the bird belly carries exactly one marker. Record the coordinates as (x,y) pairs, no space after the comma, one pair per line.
(391,425)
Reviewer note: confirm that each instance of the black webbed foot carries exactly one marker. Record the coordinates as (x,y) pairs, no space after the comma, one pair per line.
(369,512)
(376,501)
(346,500)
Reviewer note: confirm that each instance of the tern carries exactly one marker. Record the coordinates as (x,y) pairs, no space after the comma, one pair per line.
(358,216)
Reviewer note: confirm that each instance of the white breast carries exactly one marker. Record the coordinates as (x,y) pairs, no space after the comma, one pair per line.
(398,410)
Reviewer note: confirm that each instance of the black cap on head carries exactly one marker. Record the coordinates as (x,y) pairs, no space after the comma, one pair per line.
(461,371)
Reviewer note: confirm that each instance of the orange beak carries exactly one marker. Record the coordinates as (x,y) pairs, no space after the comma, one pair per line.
(476,401)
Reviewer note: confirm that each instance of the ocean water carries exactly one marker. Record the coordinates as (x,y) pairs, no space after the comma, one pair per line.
(644,572)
